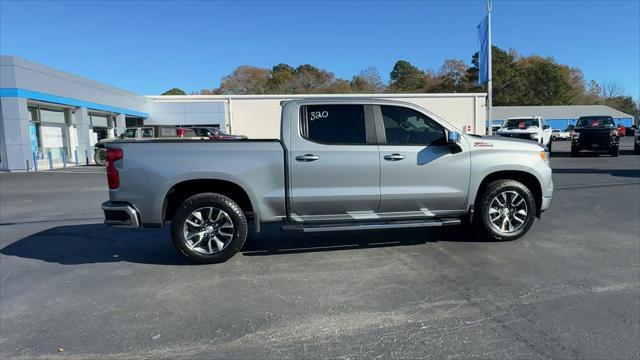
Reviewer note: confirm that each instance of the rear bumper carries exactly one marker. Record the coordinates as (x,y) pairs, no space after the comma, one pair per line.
(120,214)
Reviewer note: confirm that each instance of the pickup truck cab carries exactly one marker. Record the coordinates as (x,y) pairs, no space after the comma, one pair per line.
(528,128)
(339,165)
(597,134)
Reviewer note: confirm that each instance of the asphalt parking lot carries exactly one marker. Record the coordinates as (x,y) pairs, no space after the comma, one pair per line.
(568,289)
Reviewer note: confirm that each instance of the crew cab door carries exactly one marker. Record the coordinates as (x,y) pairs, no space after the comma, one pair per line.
(420,173)
(334,166)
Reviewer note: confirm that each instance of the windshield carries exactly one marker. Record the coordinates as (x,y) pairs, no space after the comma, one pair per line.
(520,123)
(595,121)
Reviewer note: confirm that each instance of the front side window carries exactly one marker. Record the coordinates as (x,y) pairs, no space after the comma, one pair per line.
(404,126)
(334,124)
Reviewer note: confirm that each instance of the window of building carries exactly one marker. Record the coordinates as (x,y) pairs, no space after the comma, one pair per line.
(404,126)
(99,121)
(53,116)
(334,124)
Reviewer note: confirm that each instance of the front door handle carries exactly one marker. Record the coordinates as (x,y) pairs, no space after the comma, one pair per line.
(394,157)
(307,157)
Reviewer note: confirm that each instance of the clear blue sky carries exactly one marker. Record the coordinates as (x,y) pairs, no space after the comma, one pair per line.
(149,46)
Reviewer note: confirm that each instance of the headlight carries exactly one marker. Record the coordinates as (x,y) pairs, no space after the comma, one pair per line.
(575,135)
(534,136)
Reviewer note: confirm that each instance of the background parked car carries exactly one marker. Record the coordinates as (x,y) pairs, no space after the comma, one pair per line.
(133,133)
(622,131)
(631,130)
(556,134)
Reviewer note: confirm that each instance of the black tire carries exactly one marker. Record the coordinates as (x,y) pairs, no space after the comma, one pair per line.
(575,152)
(550,146)
(482,222)
(636,149)
(614,151)
(100,157)
(220,202)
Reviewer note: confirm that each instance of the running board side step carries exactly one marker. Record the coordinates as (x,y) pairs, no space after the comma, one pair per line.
(348,226)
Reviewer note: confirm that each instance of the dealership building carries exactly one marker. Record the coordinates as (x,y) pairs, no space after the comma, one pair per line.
(51,118)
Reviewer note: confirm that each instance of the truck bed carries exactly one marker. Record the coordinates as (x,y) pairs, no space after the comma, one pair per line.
(150,168)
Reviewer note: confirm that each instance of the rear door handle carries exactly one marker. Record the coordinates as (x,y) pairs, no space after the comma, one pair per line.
(394,157)
(307,157)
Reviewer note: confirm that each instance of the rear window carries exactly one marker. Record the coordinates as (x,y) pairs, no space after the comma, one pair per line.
(595,121)
(520,123)
(334,124)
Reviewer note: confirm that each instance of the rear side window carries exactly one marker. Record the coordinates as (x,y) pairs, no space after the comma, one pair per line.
(147,132)
(404,126)
(334,124)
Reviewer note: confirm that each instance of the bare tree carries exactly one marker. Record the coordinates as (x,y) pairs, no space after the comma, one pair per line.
(368,81)
(611,89)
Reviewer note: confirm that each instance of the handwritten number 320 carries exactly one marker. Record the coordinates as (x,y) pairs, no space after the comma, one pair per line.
(318,114)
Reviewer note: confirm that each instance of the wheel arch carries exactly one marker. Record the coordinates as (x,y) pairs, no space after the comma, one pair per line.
(527,178)
(182,190)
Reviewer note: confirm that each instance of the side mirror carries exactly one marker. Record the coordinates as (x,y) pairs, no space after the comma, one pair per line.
(453,138)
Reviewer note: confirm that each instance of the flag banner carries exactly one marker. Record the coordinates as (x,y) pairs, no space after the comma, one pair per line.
(483,53)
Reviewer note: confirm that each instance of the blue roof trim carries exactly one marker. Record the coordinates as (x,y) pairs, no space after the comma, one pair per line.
(35,95)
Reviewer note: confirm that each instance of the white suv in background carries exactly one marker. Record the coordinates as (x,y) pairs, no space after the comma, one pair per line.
(529,128)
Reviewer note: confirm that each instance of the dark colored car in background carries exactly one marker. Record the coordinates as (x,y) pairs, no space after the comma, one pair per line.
(597,134)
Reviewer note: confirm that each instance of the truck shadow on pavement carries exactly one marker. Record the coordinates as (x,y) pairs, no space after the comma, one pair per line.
(97,243)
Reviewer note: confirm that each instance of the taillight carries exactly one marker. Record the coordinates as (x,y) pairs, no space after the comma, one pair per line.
(113,177)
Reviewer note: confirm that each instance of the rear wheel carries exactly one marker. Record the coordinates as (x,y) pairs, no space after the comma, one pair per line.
(549,146)
(505,210)
(100,157)
(209,228)
(636,149)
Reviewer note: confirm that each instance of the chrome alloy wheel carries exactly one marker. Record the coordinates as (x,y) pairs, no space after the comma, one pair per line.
(208,230)
(508,212)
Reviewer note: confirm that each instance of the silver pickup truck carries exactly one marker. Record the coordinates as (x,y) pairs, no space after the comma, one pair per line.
(339,165)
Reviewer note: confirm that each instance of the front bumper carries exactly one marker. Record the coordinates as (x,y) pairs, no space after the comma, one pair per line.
(120,214)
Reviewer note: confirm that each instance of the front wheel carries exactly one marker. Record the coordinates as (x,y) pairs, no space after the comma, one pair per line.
(209,228)
(506,210)
(636,149)
(549,146)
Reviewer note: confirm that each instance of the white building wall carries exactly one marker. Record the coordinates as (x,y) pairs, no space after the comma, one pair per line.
(187,112)
(258,116)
